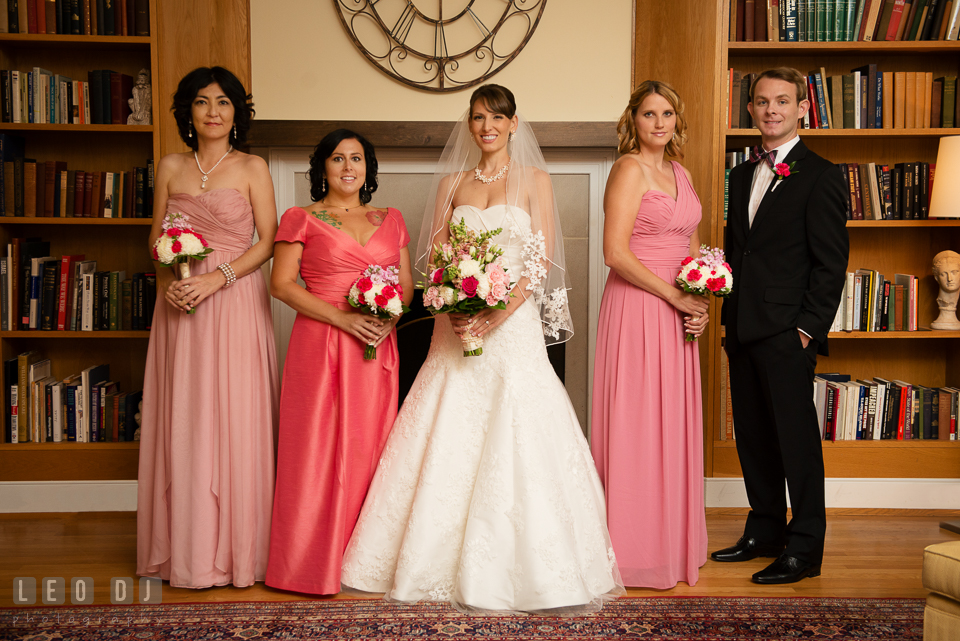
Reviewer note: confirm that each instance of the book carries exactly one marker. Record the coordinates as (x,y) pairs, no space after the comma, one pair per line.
(10,366)
(67,300)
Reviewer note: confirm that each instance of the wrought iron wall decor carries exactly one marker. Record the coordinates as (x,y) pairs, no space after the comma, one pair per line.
(440,45)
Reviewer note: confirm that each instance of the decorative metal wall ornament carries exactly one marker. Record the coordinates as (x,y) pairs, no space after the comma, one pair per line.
(414,42)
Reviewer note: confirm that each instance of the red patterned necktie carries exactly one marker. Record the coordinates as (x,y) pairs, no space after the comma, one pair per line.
(757,154)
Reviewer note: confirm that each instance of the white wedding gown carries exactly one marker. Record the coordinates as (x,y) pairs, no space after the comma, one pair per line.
(486,495)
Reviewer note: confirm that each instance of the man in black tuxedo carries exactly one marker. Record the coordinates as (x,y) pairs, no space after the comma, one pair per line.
(787,244)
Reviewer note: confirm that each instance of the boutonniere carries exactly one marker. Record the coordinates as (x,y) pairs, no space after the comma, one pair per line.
(782,170)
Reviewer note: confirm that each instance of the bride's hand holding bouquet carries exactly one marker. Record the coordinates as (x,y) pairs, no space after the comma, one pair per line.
(466,277)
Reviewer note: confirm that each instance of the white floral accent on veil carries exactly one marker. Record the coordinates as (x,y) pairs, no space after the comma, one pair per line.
(555,314)
(534,255)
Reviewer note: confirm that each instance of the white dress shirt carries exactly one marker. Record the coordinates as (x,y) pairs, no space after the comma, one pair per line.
(763,175)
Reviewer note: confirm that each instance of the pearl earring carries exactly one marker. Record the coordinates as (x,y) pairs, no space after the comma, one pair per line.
(323,184)
(234,132)
(190,132)
(512,136)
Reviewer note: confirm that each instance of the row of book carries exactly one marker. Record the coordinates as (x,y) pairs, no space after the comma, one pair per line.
(51,189)
(880,409)
(77,17)
(68,293)
(875,409)
(873,303)
(43,97)
(843,20)
(865,98)
(875,191)
(86,408)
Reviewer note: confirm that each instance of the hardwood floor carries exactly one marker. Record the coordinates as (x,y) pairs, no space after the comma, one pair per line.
(868,555)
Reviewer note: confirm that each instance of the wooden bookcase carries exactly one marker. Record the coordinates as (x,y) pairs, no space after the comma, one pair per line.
(116,244)
(685,42)
(926,357)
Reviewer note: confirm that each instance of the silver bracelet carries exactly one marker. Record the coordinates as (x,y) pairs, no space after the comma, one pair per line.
(228,273)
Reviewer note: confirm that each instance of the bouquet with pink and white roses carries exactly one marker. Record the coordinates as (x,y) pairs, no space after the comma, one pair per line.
(466,275)
(707,275)
(377,292)
(178,243)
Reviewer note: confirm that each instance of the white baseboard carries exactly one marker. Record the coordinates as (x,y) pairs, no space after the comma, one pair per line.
(914,494)
(121,496)
(68,496)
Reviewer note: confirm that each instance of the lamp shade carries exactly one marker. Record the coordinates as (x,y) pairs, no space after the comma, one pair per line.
(945,199)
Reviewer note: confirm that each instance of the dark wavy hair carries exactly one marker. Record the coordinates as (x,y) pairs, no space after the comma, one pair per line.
(496,98)
(325,149)
(190,86)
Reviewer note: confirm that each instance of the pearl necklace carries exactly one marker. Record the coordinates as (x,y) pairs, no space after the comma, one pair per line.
(203,183)
(494,178)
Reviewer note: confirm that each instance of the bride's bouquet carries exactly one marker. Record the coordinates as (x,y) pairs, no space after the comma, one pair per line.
(466,275)
(377,292)
(178,243)
(708,275)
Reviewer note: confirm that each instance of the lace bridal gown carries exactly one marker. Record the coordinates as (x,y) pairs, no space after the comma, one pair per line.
(486,494)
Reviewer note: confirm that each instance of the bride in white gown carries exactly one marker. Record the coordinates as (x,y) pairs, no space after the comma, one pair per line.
(486,495)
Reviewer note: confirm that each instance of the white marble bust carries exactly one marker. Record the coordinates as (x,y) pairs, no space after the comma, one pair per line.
(946,269)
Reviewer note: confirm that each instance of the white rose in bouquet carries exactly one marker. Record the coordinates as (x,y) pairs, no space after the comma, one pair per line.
(483,285)
(469,267)
(191,244)
(164,249)
(395,306)
(449,295)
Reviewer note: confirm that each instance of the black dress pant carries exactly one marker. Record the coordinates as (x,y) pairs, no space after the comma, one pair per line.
(778,437)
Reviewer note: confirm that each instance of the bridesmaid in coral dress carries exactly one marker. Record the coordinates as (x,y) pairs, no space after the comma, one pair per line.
(205,487)
(646,429)
(336,408)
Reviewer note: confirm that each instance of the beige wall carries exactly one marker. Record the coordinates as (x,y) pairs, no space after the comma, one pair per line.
(576,67)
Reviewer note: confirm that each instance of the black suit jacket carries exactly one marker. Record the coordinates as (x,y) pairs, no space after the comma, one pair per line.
(789,266)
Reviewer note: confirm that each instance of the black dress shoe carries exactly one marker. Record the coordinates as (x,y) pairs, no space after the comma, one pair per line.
(786,569)
(747,548)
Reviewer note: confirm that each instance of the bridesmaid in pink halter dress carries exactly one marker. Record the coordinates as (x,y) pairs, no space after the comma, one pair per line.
(336,409)
(205,487)
(647,425)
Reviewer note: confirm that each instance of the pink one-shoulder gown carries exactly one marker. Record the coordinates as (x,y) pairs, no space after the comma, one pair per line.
(646,431)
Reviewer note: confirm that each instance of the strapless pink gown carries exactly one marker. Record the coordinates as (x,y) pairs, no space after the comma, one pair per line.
(205,488)
(336,409)
(647,427)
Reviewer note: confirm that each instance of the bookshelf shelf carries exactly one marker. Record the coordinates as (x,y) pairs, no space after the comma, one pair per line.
(70,445)
(29,40)
(65,334)
(868,444)
(123,222)
(924,333)
(905,224)
(835,48)
(99,129)
(854,133)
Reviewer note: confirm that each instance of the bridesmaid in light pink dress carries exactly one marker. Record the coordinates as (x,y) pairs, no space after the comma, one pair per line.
(205,487)
(336,408)
(647,425)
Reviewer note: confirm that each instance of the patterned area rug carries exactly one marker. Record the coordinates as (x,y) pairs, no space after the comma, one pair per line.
(679,618)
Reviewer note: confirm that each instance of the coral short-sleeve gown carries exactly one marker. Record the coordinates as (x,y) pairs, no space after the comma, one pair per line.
(211,390)
(647,424)
(336,409)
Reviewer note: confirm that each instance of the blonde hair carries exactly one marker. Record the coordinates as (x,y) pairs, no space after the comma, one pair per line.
(627,128)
